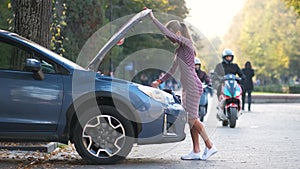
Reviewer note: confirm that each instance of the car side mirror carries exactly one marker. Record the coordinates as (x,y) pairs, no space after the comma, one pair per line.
(33,65)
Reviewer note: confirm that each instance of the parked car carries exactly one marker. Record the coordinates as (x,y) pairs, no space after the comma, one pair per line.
(46,97)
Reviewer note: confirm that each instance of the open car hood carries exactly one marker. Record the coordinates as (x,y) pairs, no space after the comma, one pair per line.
(95,63)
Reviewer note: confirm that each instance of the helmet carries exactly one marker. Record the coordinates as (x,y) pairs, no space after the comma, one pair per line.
(197,61)
(227,52)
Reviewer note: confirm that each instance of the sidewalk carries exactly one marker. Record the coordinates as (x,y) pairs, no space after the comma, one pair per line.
(275,98)
(269,98)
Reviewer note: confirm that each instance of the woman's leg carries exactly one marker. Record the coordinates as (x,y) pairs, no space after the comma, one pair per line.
(197,128)
(249,100)
(195,137)
(195,154)
(191,103)
(243,99)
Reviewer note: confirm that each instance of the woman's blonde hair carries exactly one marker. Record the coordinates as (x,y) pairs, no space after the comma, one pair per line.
(175,26)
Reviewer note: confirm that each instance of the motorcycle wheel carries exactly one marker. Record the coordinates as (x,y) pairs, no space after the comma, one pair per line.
(232,117)
(225,123)
(202,113)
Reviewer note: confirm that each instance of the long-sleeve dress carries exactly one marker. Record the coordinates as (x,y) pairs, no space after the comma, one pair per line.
(184,60)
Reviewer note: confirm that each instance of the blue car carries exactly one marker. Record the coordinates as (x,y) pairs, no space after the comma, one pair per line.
(48,98)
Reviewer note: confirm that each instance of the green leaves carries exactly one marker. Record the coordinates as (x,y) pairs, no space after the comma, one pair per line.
(57,25)
(267,33)
(84,18)
(295,4)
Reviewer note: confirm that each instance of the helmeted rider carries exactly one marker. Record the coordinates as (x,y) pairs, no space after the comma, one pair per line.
(227,67)
(202,75)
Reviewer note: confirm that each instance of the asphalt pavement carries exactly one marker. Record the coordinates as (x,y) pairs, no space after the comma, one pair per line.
(266,137)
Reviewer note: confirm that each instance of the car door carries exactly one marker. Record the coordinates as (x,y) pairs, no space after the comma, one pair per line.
(28,105)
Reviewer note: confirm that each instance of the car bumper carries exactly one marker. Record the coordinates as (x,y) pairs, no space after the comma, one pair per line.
(166,128)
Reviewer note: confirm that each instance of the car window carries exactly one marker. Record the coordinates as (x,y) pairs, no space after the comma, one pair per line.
(13,58)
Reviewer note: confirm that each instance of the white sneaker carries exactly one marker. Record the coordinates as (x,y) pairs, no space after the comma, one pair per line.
(191,156)
(208,152)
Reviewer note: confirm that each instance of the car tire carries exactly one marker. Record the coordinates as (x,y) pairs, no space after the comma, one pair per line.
(103,137)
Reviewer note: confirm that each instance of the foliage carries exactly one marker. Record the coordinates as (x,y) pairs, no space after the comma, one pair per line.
(73,22)
(82,18)
(32,20)
(6,15)
(267,34)
(85,18)
(295,4)
(146,41)
(273,88)
(6,23)
(58,23)
(294,89)
(209,54)
(278,88)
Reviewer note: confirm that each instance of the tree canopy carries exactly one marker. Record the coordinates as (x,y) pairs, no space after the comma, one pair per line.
(267,34)
(73,22)
(295,4)
(84,18)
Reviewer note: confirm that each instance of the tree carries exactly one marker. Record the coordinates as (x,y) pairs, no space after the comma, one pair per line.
(57,25)
(32,20)
(6,15)
(135,43)
(85,17)
(295,4)
(267,34)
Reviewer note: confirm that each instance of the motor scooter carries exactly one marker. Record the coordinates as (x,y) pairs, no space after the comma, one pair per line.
(203,103)
(230,100)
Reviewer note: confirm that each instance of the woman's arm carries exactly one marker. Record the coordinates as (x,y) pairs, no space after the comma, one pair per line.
(171,70)
(167,75)
(172,36)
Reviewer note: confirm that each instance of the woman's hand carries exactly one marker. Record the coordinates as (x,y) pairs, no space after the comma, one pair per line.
(155,83)
(151,15)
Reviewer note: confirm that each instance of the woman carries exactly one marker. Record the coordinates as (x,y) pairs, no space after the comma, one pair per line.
(248,84)
(177,32)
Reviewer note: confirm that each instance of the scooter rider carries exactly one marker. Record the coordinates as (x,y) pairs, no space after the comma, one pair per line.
(227,67)
(202,75)
(206,88)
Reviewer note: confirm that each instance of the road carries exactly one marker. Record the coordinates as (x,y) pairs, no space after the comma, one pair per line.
(266,137)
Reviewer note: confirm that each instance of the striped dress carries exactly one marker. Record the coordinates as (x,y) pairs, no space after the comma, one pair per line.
(184,60)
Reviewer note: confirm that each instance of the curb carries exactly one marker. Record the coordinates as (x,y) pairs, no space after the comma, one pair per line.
(275,98)
(41,147)
(268,98)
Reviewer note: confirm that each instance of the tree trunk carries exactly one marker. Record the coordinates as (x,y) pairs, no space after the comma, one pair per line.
(32,20)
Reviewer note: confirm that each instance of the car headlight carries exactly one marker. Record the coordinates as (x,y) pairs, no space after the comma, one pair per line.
(157,94)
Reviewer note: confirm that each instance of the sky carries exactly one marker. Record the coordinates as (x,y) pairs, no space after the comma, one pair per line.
(213,17)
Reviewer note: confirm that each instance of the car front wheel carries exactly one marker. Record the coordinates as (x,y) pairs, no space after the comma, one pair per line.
(103,136)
